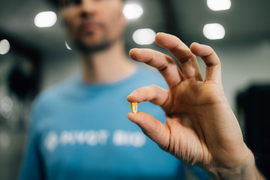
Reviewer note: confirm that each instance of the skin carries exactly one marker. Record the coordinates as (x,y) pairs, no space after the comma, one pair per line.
(200,127)
(96,33)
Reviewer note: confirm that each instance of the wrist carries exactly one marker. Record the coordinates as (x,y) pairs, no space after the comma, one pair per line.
(244,171)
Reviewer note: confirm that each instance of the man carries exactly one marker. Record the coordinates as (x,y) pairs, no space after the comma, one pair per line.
(79,128)
(200,127)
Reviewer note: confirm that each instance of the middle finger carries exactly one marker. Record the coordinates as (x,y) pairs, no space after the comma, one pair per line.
(187,59)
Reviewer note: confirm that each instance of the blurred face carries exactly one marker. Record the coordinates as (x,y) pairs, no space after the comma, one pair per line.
(93,25)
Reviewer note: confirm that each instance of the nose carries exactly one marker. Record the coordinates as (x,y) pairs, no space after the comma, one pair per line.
(88,8)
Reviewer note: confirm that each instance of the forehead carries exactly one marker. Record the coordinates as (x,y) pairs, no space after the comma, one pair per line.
(61,1)
(102,4)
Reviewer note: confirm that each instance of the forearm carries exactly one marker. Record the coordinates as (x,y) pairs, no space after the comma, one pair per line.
(246,171)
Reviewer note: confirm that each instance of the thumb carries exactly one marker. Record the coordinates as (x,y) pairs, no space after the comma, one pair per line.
(151,127)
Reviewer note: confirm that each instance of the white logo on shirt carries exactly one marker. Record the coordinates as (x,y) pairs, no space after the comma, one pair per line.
(121,138)
(93,138)
(51,141)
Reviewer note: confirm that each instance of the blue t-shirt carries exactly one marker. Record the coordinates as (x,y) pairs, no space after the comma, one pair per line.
(81,131)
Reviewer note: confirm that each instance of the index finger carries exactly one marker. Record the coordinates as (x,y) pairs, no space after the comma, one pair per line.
(160,61)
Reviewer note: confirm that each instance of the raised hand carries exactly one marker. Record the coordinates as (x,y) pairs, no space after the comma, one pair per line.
(200,127)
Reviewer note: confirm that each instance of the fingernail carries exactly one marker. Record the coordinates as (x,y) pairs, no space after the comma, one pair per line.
(133,93)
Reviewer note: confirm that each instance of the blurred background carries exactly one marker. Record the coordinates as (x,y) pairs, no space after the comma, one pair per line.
(34,54)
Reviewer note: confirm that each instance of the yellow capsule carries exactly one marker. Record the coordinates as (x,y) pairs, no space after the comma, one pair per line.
(134,107)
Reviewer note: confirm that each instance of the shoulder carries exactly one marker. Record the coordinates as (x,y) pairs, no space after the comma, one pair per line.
(52,95)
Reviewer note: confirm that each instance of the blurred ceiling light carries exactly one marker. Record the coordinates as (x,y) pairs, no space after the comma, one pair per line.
(4,46)
(219,5)
(6,104)
(144,36)
(214,31)
(6,107)
(67,46)
(45,19)
(132,11)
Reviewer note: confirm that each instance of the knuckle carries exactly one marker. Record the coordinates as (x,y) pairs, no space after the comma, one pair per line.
(153,86)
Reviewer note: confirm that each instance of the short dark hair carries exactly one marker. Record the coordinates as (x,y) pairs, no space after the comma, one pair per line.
(56,2)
